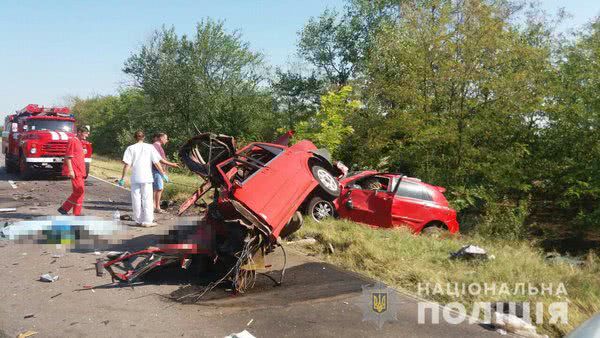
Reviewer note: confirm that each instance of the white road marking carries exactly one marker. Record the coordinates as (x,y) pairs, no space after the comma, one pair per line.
(12,184)
(105,181)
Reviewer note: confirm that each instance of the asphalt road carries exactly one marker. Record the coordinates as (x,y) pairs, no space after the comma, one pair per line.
(316,299)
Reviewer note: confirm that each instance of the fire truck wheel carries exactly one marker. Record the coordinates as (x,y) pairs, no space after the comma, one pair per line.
(24,169)
(9,165)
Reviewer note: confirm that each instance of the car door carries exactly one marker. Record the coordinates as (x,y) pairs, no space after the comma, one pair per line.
(412,205)
(367,206)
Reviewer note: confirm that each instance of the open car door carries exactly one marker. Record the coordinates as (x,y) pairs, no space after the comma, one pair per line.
(367,206)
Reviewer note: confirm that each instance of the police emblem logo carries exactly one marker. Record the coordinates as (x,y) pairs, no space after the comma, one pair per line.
(379,301)
(379,304)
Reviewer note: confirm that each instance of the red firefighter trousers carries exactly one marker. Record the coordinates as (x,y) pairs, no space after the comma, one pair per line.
(75,201)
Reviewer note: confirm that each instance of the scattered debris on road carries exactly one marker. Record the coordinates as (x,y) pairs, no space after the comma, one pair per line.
(331,250)
(243,334)
(125,218)
(513,324)
(29,315)
(167,204)
(56,295)
(48,278)
(470,252)
(26,334)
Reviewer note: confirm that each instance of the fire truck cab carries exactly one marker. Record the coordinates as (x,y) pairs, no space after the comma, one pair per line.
(34,140)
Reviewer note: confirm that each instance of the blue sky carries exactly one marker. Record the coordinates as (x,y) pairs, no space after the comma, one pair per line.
(52,49)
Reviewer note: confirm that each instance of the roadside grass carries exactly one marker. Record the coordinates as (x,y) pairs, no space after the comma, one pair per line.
(403,260)
(181,186)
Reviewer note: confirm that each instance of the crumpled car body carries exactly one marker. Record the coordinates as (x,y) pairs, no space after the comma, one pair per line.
(258,193)
(268,182)
(391,200)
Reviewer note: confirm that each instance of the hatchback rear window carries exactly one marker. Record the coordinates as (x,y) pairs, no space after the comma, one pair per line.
(413,190)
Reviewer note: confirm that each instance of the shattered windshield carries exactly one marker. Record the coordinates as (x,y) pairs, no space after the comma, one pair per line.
(56,125)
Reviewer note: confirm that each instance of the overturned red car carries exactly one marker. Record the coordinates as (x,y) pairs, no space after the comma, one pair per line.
(390,200)
(259,192)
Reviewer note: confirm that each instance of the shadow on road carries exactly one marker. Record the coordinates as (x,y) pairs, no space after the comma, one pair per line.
(305,282)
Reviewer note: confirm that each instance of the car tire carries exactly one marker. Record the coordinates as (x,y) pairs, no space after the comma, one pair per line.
(434,229)
(293,225)
(318,209)
(326,180)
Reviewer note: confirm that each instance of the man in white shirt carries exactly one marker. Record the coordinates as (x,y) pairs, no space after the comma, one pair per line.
(140,157)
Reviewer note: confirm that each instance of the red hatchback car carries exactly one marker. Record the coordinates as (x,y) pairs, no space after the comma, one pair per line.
(390,200)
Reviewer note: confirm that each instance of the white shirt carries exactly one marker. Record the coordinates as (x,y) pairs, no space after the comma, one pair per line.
(140,157)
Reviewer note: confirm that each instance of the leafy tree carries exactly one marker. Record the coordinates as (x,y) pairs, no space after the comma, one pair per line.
(211,81)
(338,44)
(112,119)
(297,96)
(328,129)
(569,147)
(457,86)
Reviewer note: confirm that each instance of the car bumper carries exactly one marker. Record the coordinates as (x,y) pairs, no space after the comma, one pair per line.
(50,160)
(453,225)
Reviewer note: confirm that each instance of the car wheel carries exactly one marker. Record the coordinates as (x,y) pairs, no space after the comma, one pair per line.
(293,225)
(434,229)
(319,209)
(326,181)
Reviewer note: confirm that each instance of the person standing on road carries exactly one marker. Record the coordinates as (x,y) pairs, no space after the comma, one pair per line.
(74,168)
(160,139)
(140,157)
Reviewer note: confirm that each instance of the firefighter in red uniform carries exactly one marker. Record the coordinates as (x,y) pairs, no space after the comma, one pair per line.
(74,168)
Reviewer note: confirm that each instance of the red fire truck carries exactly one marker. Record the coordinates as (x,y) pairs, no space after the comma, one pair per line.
(35,139)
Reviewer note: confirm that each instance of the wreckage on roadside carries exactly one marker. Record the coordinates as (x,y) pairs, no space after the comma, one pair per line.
(258,195)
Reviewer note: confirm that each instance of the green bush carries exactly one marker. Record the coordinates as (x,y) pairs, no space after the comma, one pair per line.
(504,220)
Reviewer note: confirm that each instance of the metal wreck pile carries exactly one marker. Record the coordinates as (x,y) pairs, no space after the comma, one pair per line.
(258,195)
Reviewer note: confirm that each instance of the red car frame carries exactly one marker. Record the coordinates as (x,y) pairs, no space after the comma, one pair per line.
(274,181)
(259,193)
(390,200)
